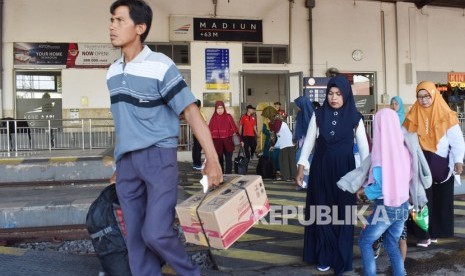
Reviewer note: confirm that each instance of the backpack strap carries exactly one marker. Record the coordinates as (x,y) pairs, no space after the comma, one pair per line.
(102,232)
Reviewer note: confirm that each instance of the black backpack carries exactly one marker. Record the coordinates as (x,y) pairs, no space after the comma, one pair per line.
(105,225)
(266,168)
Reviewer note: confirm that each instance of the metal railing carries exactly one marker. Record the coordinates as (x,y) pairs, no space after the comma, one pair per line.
(185,140)
(93,133)
(368,122)
(17,135)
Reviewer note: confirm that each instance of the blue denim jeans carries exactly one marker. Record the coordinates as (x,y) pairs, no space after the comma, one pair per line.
(387,220)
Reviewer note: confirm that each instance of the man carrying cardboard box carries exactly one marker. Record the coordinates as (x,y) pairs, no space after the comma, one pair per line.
(147,96)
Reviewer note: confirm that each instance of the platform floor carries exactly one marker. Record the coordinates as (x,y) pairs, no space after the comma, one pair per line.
(263,250)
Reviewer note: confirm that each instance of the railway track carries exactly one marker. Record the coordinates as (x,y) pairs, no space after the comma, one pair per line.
(53,183)
(56,234)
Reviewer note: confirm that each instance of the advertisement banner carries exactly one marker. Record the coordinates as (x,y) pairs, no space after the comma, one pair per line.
(34,55)
(217,68)
(91,55)
(64,55)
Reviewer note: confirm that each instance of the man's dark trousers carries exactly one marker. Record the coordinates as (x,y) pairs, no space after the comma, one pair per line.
(147,183)
(250,144)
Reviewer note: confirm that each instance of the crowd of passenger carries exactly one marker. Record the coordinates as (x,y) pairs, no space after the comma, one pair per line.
(407,166)
(414,158)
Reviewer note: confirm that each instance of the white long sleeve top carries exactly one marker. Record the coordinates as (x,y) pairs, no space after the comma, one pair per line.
(284,137)
(312,134)
(454,140)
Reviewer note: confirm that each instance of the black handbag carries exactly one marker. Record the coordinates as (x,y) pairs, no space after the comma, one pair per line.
(241,164)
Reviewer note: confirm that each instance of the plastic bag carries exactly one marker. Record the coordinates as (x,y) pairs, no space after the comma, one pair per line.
(421,218)
(457,180)
(236,139)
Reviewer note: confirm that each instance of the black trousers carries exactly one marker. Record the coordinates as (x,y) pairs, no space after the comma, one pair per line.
(228,157)
(441,211)
(196,153)
(250,145)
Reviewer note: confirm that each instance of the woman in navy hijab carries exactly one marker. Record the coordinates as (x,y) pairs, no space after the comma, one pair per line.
(328,242)
(302,122)
(303,116)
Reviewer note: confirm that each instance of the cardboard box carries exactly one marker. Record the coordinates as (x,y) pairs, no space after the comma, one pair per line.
(226,213)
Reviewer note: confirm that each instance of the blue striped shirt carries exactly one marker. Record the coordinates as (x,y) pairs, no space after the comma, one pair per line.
(147,95)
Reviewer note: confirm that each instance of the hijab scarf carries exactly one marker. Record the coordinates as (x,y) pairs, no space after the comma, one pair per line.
(336,124)
(430,123)
(275,125)
(303,116)
(269,112)
(220,125)
(401,111)
(390,153)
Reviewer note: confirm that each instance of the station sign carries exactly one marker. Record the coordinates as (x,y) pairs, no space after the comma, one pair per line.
(184,28)
(217,29)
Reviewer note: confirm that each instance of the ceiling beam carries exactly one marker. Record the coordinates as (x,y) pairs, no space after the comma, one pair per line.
(421,3)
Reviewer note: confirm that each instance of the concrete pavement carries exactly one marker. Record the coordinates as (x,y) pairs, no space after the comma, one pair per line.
(264,250)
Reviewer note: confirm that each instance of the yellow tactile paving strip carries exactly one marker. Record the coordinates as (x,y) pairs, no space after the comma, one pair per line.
(12,251)
(263,243)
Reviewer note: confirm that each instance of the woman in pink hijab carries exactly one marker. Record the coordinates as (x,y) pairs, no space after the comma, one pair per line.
(389,178)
